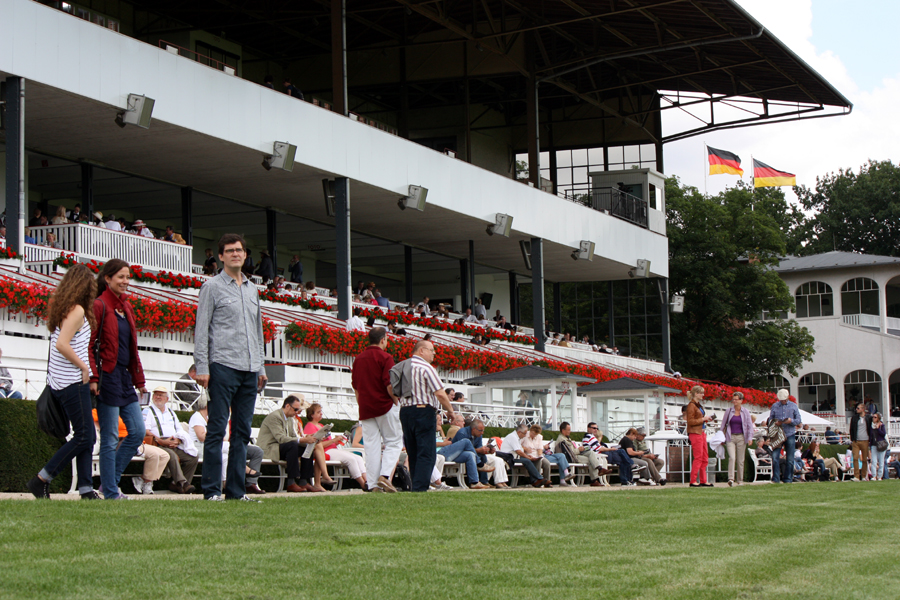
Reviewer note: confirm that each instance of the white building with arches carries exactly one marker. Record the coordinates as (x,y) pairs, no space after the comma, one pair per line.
(850,303)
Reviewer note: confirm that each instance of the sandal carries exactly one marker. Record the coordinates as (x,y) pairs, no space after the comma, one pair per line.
(251,472)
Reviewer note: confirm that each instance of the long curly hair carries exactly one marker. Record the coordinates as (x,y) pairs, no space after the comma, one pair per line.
(77,288)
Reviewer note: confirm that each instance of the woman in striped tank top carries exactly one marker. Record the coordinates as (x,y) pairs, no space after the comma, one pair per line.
(71,318)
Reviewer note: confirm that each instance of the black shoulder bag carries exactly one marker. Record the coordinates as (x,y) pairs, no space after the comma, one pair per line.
(51,417)
(96,351)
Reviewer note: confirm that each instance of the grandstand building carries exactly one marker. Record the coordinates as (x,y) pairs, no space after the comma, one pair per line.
(523,140)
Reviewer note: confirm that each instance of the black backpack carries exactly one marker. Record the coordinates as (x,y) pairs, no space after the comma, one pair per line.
(402,479)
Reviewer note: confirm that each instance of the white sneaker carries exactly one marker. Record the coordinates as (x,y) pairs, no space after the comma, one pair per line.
(652,483)
(148,487)
(138,483)
(443,487)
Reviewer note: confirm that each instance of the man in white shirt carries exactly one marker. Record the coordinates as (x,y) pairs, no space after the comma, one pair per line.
(511,451)
(470,318)
(163,426)
(480,312)
(112,224)
(354,323)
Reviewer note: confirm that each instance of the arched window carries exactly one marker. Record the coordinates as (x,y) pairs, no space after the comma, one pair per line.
(817,392)
(814,299)
(775,383)
(860,384)
(859,297)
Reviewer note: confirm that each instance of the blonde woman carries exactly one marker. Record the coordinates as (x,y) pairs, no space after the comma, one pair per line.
(737,425)
(697,419)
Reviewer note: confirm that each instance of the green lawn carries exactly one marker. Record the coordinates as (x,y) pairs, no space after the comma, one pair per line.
(816,541)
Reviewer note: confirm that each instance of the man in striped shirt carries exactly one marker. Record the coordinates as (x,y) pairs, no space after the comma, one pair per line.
(422,398)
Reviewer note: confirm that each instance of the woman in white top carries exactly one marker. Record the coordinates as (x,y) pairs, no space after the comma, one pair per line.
(60,218)
(71,319)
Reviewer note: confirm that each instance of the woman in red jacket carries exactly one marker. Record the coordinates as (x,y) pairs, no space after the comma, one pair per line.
(116,376)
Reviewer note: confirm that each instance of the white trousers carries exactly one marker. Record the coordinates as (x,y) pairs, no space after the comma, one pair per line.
(384,430)
(352,461)
(499,473)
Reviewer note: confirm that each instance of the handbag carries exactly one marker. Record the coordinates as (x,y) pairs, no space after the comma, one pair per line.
(776,436)
(51,417)
(881,445)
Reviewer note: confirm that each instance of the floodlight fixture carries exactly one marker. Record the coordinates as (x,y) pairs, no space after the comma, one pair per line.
(525,247)
(282,157)
(328,189)
(138,112)
(584,251)
(643,268)
(415,198)
(502,225)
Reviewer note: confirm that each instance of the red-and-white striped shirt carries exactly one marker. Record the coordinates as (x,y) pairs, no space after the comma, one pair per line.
(425,382)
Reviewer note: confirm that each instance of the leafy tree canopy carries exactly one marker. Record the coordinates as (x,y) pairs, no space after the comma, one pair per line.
(853,212)
(721,252)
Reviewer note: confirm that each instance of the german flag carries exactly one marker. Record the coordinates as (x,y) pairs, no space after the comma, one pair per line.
(722,161)
(766,176)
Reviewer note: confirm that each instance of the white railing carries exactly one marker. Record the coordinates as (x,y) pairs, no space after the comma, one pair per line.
(611,360)
(893,324)
(102,244)
(35,253)
(873,321)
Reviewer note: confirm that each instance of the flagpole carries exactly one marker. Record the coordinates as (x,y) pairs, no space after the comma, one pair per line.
(705,168)
(752,174)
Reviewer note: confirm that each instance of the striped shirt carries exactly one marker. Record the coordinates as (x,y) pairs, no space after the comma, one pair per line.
(60,372)
(425,382)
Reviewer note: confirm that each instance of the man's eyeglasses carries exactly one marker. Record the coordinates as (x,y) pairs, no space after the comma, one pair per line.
(233,251)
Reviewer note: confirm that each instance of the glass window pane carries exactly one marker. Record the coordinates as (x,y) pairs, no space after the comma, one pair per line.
(580,175)
(632,154)
(869,302)
(648,152)
(827,306)
(544,157)
(563,158)
(579,157)
(616,154)
(801,307)
(564,176)
(814,306)
(595,157)
(850,303)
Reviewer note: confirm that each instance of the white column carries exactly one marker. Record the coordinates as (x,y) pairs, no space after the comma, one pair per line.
(554,417)
(882,306)
(647,413)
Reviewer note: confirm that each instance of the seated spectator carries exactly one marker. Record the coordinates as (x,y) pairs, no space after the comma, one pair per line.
(51,241)
(501,323)
(566,341)
(534,447)
(164,429)
(627,444)
(423,305)
(831,437)
(112,223)
(894,463)
(617,456)
(470,318)
(511,451)
(28,238)
(353,462)
(596,462)
(60,217)
(354,323)
(210,265)
(187,390)
(197,431)
(318,456)
(292,91)
(97,219)
(763,451)
(381,300)
(35,219)
(462,451)
(477,340)
(392,327)
(490,465)
(2,232)
(498,316)
(654,462)
(309,289)
(279,282)
(279,440)
(6,383)
(820,464)
(169,235)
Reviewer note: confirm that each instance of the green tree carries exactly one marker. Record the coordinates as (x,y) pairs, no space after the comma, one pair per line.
(854,212)
(721,250)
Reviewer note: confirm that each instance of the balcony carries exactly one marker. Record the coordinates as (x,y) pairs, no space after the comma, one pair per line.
(872,322)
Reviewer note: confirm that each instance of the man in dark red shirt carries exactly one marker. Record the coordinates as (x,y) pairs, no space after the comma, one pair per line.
(379,411)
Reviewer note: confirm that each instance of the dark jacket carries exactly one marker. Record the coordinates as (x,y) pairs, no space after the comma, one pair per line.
(265,268)
(108,331)
(854,425)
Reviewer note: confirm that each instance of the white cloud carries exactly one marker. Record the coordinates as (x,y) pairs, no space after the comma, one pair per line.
(810,148)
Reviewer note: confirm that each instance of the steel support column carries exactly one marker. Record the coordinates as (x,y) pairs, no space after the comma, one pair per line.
(342,238)
(339,57)
(611,307)
(664,318)
(463,283)
(272,237)
(513,299)
(537,293)
(557,307)
(15,164)
(472,274)
(187,215)
(408,272)
(87,190)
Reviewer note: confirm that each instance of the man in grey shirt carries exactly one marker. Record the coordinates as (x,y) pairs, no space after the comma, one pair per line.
(228,353)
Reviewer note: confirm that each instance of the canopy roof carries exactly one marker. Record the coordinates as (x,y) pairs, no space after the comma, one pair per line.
(527,374)
(626,384)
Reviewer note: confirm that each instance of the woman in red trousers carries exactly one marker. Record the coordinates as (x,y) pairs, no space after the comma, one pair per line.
(696,428)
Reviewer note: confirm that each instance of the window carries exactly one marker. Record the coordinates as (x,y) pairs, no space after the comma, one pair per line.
(859,297)
(861,384)
(814,299)
(816,392)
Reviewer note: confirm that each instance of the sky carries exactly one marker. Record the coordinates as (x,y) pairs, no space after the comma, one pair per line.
(853,46)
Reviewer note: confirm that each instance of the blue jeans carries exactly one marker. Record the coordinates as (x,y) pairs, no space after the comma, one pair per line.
(418,437)
(76,401)
(790,445)
(14,395)
(620,457)
(878,461)
(559,459)
(232,394)
(112,461)
(463,449)
(896,466)
(530,467)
